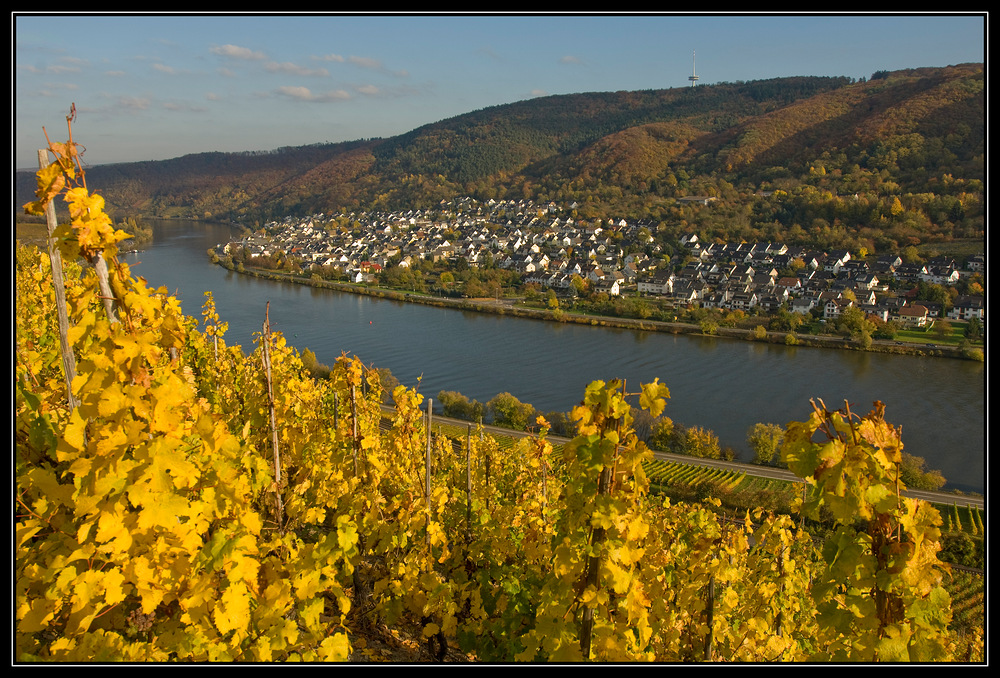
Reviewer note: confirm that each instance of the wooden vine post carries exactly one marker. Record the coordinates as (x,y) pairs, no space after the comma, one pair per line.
(594,562)
(107,296)
(55,259)
(427,470)
(486,467)
(543,463)
(468,484)
(70,163)
(266,340)
(354,430)
(779,618)
(710,618)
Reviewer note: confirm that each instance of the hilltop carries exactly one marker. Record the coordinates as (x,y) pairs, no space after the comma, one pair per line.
(843,150)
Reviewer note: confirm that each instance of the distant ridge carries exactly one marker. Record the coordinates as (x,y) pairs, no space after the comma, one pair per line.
(630,152)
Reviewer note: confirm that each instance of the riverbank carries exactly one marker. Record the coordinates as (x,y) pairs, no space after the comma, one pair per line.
(517,309)
(723,385)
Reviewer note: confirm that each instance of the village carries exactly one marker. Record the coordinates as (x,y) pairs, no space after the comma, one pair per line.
(618,257)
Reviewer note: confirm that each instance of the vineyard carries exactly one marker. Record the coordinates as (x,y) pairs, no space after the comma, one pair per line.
(179,500)
(665,473)
(735,488)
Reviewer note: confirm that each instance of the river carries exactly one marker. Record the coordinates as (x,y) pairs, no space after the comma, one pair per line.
(721,384)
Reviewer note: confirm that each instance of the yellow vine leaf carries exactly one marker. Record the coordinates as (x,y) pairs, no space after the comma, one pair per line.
(162,510)
(335,648)
(310,611)
(654,397)
(115,587)
(234,611)
(51,181)
(112,531)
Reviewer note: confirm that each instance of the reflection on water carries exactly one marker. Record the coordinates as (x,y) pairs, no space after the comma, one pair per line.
(725,385)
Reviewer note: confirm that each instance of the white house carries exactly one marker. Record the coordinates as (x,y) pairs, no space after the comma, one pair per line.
(913,315)
(834,307)
(662,282)
(966,307)
(609,285)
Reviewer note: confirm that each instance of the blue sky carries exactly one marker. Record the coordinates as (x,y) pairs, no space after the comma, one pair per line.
(151,87)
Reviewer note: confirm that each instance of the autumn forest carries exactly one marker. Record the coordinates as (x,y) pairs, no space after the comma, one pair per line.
(881,163)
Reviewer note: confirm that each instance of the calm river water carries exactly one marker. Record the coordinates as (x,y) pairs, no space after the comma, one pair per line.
(724,385)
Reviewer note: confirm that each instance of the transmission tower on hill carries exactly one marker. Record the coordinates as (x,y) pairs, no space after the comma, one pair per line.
(693,77)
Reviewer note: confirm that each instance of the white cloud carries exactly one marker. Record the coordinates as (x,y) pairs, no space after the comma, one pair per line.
(60,69)
(376,65)
(133,103)
(361,62)
(295,92)
(67,65)
(184,107)
(294,69)
(366,62)
(305,94)
(237,52)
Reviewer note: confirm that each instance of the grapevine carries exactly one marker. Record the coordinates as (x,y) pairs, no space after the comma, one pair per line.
(194,503)
(880,595)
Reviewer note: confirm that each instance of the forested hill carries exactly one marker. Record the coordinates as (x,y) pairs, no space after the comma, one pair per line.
(905,134)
